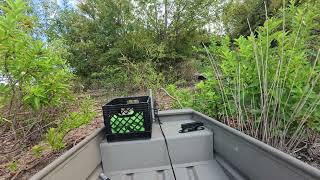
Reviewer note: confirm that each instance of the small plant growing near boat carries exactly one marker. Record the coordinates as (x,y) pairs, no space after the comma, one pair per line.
(13,166)
(77,119)
(37,150)
(55,139)
(74,120)
(1,120)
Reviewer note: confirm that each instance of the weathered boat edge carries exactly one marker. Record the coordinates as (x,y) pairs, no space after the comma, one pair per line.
(54,168)
(277,154)
(50,169)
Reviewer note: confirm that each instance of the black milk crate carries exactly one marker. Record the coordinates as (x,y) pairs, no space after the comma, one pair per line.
(128,118)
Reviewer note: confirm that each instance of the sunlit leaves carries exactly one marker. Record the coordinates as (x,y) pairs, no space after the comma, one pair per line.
(34,72)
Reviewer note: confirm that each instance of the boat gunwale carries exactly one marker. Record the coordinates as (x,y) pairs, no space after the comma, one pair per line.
(61,159)
(269,150)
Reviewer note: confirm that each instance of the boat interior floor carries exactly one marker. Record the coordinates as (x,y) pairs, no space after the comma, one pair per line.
(192,155)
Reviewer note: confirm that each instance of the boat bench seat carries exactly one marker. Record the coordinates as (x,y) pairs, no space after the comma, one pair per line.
(191,153)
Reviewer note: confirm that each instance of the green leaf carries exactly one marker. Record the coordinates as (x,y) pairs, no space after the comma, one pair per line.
(36,103)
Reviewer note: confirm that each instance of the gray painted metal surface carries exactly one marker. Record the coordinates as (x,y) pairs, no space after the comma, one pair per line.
(77,163)
(192,156)
(219,152)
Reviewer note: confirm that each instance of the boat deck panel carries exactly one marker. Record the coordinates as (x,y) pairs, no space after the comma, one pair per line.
(191,153)
(191,171)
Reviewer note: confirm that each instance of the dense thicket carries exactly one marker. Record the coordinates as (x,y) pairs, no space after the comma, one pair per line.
(266,84)
(103,36)
(234,15)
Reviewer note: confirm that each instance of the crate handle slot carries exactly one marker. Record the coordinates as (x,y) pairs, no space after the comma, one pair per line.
(133,101)
(126,111)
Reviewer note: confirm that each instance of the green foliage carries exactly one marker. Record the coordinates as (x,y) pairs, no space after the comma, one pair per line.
(37,150)
(235,14)
(35,72)
(3,120)
(3,94)
(99,34)
(203,98)
(142,76)
(13,166)
(266,83)
(55,139)
(183,95)
(74,120)
(129,76)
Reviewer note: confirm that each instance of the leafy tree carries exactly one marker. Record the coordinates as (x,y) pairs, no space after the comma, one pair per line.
(36,75)
(234,15)
(99,33)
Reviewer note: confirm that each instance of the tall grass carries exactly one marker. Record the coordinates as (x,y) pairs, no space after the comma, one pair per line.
(273,113)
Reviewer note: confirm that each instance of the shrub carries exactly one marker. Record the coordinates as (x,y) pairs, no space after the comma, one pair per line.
(266,84)
(35,74)
(13,166)
(202,98)
(37,150)
(84,115)
(143,76)
(55,139)
(76,119)
(130,76)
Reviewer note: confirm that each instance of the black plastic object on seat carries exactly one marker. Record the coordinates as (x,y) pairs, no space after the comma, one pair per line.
(128,118)
(194,126)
